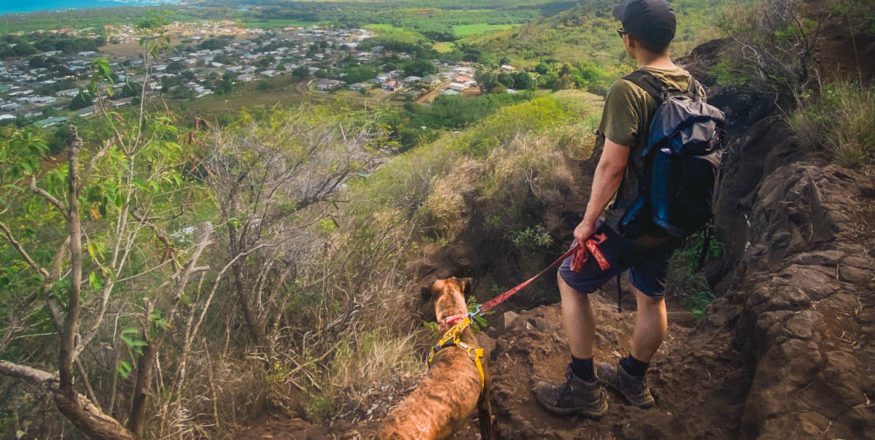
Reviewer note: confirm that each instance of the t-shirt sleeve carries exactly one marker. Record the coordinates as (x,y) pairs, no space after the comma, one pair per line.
(621,116)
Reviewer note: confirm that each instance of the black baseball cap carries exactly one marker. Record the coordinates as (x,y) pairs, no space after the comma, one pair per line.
(650,21)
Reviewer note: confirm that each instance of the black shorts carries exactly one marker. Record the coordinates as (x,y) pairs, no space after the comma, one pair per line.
(647,266)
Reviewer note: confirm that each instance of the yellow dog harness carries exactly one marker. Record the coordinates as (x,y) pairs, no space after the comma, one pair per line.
(453,337)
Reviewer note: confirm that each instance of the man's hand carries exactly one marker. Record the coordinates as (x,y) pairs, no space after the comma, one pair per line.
(583,231)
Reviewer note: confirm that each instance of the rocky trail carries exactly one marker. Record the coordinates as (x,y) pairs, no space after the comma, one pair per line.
(698,381)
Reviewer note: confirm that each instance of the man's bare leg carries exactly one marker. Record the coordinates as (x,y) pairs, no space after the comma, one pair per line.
(651,326)
(580,393)
(578,320)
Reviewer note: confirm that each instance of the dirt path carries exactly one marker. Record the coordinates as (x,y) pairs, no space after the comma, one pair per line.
(429,97)
(696,380)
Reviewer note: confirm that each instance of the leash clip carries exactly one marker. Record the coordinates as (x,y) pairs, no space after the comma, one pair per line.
(477,312)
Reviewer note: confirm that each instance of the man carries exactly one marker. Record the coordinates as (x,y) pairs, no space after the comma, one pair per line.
(648,29)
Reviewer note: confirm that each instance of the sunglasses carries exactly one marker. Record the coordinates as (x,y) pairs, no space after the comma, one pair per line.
(622,33)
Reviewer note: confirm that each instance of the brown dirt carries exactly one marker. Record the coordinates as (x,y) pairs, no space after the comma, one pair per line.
(698,381)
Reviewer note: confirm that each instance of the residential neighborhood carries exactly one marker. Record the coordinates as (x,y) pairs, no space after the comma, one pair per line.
(208,58)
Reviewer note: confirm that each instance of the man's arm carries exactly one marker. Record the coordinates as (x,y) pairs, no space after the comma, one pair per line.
(608,175)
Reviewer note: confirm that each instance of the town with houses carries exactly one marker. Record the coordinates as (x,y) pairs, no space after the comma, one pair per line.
(195,68)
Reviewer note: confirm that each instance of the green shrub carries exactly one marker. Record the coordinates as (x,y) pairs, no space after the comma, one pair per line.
(685,281)
(535,237)
(772,50)
(840,120)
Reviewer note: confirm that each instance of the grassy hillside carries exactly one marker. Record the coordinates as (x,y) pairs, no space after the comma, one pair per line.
(588,32)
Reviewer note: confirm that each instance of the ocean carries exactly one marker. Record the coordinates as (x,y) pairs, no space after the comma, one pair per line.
(24,6)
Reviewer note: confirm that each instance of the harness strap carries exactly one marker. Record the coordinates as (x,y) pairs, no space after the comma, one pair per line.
(452,338)
(476,355)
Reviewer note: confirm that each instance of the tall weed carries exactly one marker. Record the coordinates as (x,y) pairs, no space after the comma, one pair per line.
(841,120)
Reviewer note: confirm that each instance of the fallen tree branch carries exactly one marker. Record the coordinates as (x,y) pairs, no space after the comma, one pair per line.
(77,408)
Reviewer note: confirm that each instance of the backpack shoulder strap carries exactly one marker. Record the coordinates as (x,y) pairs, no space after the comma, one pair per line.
(649,83)
(695,88)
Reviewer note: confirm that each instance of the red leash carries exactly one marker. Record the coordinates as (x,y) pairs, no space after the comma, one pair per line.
(581,254)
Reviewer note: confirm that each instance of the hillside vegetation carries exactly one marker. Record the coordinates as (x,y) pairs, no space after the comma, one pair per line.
(166,276)
(588,32)
(280,234)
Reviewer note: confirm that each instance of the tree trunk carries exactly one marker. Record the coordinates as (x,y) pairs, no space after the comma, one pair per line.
(142,389)
(90,420)
(81,412)
(70,331)
(252,325)
(251,321)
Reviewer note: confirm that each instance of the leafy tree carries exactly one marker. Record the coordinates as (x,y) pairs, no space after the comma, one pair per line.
(215,43)
(82,100)
(543,68)
(92,211)
(505,79)
(359,74)
(300,72)
(487,80)
(523,81)
(265,62)
(226,85)
(420,67)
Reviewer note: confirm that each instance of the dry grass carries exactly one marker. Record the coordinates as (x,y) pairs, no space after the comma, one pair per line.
(445,212)
(842,121)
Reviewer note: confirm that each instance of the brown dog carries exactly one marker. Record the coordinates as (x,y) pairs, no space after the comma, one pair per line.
(451,390)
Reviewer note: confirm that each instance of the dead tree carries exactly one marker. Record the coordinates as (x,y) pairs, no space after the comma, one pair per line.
(264,176)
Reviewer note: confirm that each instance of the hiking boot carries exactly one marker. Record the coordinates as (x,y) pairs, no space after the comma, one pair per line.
(633,388)
(574,396)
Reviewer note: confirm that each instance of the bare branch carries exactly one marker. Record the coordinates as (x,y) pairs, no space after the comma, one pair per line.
(7,234)
(28,374)
(50,198)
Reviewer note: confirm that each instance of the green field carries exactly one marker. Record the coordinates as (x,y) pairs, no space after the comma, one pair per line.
(468,30)
(394,33)
(444,46)
(278,23)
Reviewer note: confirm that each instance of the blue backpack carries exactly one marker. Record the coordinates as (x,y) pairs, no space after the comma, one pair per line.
(681,163)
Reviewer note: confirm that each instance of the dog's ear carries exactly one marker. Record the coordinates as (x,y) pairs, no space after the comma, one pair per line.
(467,284)
(430,292)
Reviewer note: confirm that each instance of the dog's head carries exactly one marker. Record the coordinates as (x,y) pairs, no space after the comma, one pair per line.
(448,296)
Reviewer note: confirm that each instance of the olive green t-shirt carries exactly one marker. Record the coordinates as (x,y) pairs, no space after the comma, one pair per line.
(626,120)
